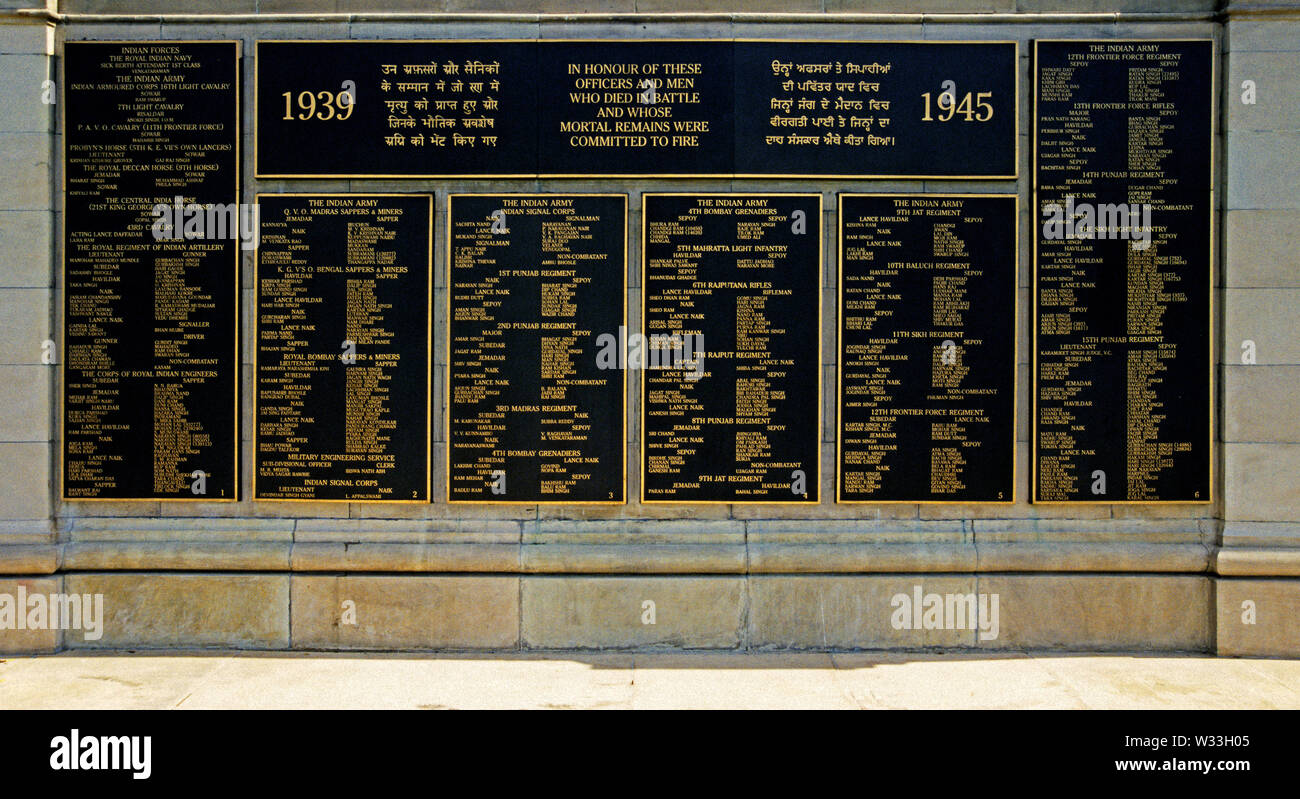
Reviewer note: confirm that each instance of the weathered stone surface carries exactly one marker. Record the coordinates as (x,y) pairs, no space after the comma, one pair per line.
(625,6)
(1271,561)
(25,481)
(1259,403)
(27,39)
(148,28)
(176,555)
(291,510)
(24,322)
(452,557)
(22,81)
(903,6)
(851,612)
(868,530)
(28,558)
(1052,531)
(1101,612)
(1262,34)
(25,162)
(1099,557)
(634,558)
(845,556)
(408,531)
(631,530)
(827,509)
(1269,318)
(941,28)
(177,6)
(407,612)
(607,612)
(1259,482)
(153,610)
(1263,169)
(76,510)
(25,238)
(25,395)
(1022,509)
(28,641)
(536,6)
(1148,6)
(244,531)
(1258,617)
(1167,29)
(670,28)
(1262,250)
(725,6)
(1261,534)
(1275,78)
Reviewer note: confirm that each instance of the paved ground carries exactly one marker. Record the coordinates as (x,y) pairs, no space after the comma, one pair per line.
(642,680)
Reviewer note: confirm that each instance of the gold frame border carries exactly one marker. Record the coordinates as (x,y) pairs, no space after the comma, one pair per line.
(1033,319)
(63,249)
(447,383)
(428,375)
(1015,135)
(821,263)
(1015,345)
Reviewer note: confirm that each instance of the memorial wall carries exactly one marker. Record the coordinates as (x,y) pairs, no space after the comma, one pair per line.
(500,327)
(731,312)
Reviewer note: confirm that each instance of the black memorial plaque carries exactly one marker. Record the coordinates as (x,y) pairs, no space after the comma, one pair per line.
(342,402)
(927,361)
(537,296)
(692,108)
(396,108)
(1123,247)
(730,348)
(151,270)
(882,109)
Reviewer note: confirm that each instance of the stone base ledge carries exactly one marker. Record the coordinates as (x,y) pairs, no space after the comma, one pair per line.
(1038,612)
(1257,562)
(732,557)
(175,556)
(767,558)
(495,554)
(29,558)
(1067,557)
(370,557)
(418,612)
(623,559)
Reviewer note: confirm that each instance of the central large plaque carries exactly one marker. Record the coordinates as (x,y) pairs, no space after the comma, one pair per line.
(927,366)
(730,348)
(661,108)
(690,108)
(538,290)
(342,407)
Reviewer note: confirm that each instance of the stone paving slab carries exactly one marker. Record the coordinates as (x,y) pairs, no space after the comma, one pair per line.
(860,680)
